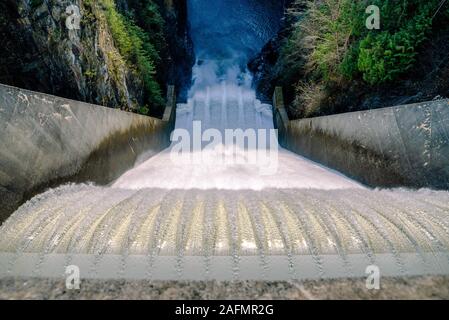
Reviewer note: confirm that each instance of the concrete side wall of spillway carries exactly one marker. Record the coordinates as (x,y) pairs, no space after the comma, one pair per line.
(47,140)
(398,146)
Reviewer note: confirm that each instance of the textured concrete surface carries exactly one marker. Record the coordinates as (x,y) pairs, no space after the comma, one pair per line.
(425,287)
(91,220)
(274,234)
(398,146)
(47,139)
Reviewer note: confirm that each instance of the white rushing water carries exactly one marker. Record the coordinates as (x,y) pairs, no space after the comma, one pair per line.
(222,105)
(226,34)
(275,234)
(172,218)
(229,209)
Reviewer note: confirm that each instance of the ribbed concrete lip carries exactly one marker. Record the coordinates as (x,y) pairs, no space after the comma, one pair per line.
(221,268)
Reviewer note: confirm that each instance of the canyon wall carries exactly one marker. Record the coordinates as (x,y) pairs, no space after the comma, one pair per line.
(40,53)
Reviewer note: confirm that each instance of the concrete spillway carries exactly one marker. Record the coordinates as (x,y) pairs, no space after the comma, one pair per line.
(197,234)
(239,209)
(210,212)
(227,166)
(48,139)
(173,219)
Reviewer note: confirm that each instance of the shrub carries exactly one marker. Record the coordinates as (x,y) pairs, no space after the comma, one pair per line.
(386,55)
(144,110)
(36,3)
(135,47)
(329,44)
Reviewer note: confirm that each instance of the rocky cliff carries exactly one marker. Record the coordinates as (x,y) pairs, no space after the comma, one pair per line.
(40,53)
(266,66)
(177,67)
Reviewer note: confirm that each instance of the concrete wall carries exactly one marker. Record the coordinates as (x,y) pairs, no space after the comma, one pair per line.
(398,146)
(46,140)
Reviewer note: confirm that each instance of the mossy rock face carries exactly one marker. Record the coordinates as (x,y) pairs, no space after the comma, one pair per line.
(43,55)
(39,53)
(36,3)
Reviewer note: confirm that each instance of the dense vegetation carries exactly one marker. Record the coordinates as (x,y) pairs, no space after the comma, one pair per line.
(138,35)
(123,55)
(330,45)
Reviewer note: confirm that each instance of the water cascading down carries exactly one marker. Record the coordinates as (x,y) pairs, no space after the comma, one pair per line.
(225,201)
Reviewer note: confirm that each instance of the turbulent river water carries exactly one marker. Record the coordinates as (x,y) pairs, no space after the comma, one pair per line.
(215,211)
(226,34)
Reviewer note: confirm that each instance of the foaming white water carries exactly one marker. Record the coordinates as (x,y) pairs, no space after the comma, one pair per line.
(222,100)
(177,220)
(89,219)
(218,234)
(185,220)
(293,172)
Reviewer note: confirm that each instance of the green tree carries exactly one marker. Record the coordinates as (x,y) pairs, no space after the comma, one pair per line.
(136,48)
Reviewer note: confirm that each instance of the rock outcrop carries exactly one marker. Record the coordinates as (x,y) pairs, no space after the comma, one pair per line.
(177,67)
(267,67)
(40,53)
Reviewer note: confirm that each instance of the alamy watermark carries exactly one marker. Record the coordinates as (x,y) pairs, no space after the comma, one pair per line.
(72,281)
(257,147)
(73,21)
(373,20)
(373,278)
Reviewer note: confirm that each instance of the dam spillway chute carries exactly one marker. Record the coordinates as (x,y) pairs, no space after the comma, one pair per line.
(230,234)
(180,217)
